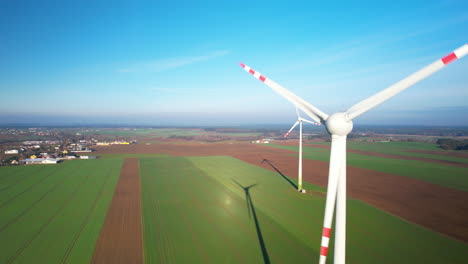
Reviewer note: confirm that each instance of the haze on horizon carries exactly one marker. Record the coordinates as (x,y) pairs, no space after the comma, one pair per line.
(176,62)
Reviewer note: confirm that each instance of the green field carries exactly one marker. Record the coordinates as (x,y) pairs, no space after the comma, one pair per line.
(445,175)
(54,213)
(194,211)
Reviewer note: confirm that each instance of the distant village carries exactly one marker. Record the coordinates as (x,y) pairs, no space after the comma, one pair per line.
(59,146)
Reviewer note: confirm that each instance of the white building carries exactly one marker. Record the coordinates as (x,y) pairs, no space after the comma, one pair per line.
(87,157)
(11,151)
(41,161)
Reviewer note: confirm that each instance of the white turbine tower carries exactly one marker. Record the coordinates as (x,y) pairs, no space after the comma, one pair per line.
(339,125)
(299,170)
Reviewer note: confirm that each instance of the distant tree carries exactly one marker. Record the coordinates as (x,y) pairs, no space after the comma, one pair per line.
(452,144)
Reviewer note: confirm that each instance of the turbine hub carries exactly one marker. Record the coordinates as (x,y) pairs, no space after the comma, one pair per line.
(339,124)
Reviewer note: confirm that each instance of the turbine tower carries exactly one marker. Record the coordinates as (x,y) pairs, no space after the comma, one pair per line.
(339,125)
(299,170)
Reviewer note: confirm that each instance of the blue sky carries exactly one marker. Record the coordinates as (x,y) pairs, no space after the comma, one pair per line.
(176,62)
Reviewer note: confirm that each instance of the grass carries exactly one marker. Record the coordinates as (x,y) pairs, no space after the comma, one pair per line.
(54,213)
(445,175)
(196,210)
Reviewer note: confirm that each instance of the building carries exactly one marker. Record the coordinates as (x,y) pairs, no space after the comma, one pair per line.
(11,151)
(88,157)
(40,161)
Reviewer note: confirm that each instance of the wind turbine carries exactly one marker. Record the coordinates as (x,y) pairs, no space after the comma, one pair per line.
(299,170)
(339,125)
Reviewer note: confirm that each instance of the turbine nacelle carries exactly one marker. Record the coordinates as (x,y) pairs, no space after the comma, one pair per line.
(339,124)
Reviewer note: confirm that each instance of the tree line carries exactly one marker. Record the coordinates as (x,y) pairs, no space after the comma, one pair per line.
(453,144)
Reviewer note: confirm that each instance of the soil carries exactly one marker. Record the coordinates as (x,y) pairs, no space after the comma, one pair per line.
(438,208)
(120,240)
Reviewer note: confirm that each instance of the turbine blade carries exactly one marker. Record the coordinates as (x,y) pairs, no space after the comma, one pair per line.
(297,112)
(309,109)
(287,134)
(338,149)
(311,122)
(391,91)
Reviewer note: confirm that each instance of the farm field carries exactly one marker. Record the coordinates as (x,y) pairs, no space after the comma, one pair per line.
(53,213)
(231,204)
(160,132)
(416,201)
(196,210)
(445,175)
(409,149)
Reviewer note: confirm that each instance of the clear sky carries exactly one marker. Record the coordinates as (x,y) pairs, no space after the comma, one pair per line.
(176,62)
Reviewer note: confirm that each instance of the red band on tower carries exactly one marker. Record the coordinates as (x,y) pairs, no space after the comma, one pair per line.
(323,251)
(449,58)
(326,232)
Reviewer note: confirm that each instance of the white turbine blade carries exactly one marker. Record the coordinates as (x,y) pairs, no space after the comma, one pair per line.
(309,109)
(391,91)
(297,112)
(287,134)
(311,122)
(338,148)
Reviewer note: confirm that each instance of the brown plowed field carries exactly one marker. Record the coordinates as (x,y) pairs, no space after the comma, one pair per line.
(120,240)
(433,206)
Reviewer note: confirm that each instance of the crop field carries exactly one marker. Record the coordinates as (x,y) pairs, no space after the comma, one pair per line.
(409,149)
(207,209)
(222,210)
(53,213)
(160,132)
(445,175)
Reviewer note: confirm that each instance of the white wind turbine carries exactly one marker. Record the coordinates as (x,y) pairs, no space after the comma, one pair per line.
(299,170)
(339,125)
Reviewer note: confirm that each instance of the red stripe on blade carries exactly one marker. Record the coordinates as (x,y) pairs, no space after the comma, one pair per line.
(323,251)
(326,232)
(449,58)
(262,78)
(252,71)
(242,65)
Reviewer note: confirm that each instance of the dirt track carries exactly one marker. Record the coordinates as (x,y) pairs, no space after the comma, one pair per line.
(120,240)
(436,207)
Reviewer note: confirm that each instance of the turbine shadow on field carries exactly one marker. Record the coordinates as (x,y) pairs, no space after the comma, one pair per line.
(251,207)
(280,173)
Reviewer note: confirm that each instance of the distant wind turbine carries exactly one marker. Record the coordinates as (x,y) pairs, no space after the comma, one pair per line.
(299,170)
(339,125)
